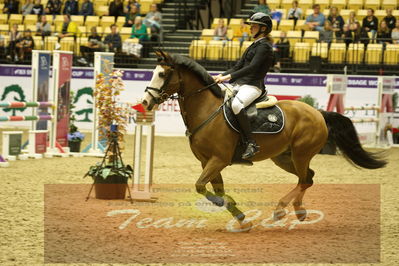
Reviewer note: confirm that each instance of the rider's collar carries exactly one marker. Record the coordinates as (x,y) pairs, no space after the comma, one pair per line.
(259,39)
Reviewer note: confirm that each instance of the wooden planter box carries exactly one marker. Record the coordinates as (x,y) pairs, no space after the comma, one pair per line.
(113,187)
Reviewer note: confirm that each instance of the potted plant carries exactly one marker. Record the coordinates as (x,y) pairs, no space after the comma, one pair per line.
(75,137)
(110,177)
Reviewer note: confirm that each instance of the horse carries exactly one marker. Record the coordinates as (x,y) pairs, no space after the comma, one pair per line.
(213,141)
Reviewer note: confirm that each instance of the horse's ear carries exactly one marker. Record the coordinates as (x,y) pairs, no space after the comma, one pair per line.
(167,57)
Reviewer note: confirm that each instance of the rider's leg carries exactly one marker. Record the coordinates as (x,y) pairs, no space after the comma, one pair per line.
(245,96)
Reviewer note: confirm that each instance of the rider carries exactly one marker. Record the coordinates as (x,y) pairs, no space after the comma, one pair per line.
(248,76)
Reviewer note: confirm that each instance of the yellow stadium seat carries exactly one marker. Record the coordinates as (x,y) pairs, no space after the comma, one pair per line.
(3,18)
(79,20)
(1,7)
(273,4)
(311,36)
(4,29)
(81,41)
(67,44)
(380,14)
(21,27)
(275,24)
(305,4)
(101,11)
(286,4)
(308,12)
(244,46)
(286,25)
(231,51)
(101,3)
(324,4)
(275,34)
(58,21)
(293,37)
(395,13)
(82,31)
(391,55)
(374,54)
(386,4)
(337,53)
(207,34)
(6,40)
(374,4)
(120,21)
(300,24)
(31,27)
(125,33)
(30,19)
(107,30)
(145,6)
(361,13)
(326,12)
(38,41)
(15,18)
(197,49)
(345,13)
(215,22)
(340,4)
(107,21)
(355,4)
(92,21)
(214,50)
(355,53)
(49,42)
(320,49)
(100,30)
(301,52)
(49,18)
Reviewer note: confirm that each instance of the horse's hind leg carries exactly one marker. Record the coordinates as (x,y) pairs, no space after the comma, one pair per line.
(299,166)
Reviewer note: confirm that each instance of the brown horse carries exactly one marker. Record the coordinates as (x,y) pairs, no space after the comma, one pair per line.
(213,142)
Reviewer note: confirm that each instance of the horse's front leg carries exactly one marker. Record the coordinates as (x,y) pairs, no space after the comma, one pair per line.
(211,173)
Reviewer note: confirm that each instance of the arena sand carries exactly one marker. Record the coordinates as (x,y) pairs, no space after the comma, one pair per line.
(22,195)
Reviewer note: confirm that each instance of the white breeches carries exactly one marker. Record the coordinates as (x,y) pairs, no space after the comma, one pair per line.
(245,96)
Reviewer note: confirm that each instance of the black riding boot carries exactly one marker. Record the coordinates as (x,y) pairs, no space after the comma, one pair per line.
(245,128)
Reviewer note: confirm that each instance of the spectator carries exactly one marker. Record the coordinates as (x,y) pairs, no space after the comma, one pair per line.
(153,19)
(295,12)
(25,45)
(327,34)
(282,50)
(359,34)
(131,16)
(352,18)
(94,45)
(11,7)
(129,4)
(370,22)
(113,40)
(2,45)
(383,33)
(68,28)
(243,32)
(43,28)
(395,33)
(337,22)
(86,9)
(27,8)
(37,8)
(53,7)
(139,30)
(71,7)
(116,8)
(14,37)
(262,7)
(390,20)
(347,36)
(316,20)
(220,32)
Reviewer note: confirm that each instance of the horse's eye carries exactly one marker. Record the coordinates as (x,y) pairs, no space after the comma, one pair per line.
(161,75)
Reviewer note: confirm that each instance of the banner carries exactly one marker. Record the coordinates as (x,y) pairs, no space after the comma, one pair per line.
(63,71)
(41,88)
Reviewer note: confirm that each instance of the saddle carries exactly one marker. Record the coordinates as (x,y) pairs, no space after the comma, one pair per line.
(265,118)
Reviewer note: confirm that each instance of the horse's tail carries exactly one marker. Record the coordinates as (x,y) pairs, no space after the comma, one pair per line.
(342,131)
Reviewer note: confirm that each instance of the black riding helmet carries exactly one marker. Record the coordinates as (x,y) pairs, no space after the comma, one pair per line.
(263,20)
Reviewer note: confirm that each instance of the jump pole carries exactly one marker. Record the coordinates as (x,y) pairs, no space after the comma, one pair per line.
(144,192)
(103,63)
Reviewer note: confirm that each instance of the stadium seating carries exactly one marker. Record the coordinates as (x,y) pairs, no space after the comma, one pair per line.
(107,21)
(355,53)
(231,51)
(324,4)
(286,25)
(311,36)
(215,22)
(15,19)
(92,21)
(214,50)
(301,52)
(373,54)
(38,41)
(197,49)
(355,4)
(337,53)
(294,37)
(391,55)
(78,20)
(207,34)
(274,4)
(320,49)
(389,4)
(305,4)
(125,33)
(30,20)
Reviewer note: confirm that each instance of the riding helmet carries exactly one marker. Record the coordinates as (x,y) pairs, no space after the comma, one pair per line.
(261,19)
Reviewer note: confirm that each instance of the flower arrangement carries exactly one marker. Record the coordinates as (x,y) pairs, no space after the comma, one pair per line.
(108,88)
(74,135)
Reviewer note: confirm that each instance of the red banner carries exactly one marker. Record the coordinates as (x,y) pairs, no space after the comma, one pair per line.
(64,83)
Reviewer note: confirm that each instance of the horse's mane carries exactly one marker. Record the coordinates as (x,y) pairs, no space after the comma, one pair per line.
(199,70)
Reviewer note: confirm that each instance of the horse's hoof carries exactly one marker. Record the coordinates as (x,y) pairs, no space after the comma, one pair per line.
(246,226)
(279,214)
(300,213)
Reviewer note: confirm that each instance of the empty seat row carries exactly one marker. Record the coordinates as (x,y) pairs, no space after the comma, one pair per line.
(354,4)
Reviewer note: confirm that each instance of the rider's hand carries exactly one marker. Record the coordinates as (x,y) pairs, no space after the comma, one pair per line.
(222,78)
(215,78)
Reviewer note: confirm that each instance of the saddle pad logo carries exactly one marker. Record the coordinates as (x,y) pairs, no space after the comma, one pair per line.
(272,118)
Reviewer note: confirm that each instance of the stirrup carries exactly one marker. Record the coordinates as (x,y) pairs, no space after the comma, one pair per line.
(250,151)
